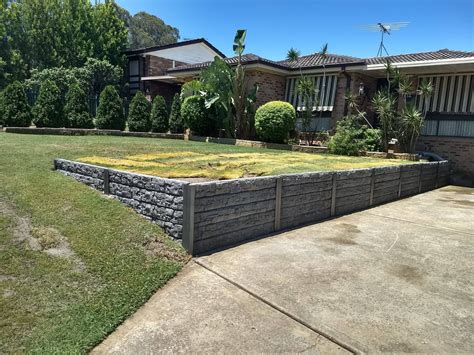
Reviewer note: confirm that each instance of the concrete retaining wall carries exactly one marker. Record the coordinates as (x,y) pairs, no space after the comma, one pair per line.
(222,213)
(160,200)
(217,214)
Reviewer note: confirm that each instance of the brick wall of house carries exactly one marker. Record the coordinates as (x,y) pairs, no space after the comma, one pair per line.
(271,86)
(155,66)
(166,90)
(339,101)
(458,150)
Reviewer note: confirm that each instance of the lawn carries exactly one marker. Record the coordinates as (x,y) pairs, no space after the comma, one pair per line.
(73,263)
(180,159)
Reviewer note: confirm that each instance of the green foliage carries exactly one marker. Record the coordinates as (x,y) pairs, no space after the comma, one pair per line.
(176,120)
(411,124)
(274,121)
(40,34)
(48,109)
(194,115)
(76,109)
(190,88)
(110,33)
(159,115)
(14,108)
(147,30)
(139,114)
(352,137)
(110,111)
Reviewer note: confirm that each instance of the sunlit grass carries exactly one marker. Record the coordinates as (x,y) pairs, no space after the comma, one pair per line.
(206,161)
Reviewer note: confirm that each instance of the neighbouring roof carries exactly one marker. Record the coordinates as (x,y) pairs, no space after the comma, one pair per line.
(174,45)
(424,56)
(317,60)
(249,58)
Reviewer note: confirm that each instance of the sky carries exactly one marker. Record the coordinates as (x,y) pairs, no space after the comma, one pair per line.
(274,26)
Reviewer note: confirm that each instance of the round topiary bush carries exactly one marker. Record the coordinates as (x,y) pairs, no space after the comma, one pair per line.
(48,110)
(14,108)
(274,121)
(77,110)
(176,120)
(139,114)
(159,115)
(110,111)
(193,111)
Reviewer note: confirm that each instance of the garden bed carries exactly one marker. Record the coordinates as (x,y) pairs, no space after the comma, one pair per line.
(211,215)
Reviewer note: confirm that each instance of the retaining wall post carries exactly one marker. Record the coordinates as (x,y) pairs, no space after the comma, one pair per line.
(333,194)
(278,185)
(189,193)
(105,176)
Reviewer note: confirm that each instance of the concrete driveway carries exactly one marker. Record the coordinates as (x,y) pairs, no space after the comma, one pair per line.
(395,278)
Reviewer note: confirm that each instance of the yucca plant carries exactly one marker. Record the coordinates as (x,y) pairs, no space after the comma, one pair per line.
(384,105)
(307,91)
(411,122)
(425,91)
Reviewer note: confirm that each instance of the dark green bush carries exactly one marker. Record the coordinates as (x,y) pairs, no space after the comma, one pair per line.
(274,121)
(48,110)
(176,120)
(351,137)
(14,108)
(77,111)
(195,116)
(110,111)
(139,114)
(159,115)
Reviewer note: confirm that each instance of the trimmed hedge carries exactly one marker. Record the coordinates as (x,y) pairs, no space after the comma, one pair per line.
(193,111)
(176,120)
(77,111)
(110,111)
(274,121)
(139,114)
(159,115)
(48,110)
(14,108)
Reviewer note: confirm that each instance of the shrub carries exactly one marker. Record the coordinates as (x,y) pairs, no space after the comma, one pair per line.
(159,115)
(110,111)
(14,108)
(351,137)
(48,110)
(139,114)
(274,121)
(194,115)
(77,111)
(176,120)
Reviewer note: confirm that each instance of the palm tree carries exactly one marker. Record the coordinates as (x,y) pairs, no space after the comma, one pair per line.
(293,55)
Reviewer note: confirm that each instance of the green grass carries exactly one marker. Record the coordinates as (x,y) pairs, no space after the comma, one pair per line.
(57,304)
(180,159)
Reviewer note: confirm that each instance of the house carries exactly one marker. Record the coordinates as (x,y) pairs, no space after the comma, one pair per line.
(449,128)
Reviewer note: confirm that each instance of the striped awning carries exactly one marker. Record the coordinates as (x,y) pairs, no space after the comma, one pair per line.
(452,93)
(325,92)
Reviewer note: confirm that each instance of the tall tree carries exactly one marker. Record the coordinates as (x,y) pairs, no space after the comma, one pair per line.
(147,30)
(110,37)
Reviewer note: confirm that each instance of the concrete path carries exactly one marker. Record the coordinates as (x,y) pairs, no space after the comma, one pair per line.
(395,278)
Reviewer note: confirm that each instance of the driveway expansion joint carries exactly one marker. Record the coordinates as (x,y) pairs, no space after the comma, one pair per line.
(281,310)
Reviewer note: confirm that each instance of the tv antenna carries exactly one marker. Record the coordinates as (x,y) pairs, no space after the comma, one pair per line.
(384,28)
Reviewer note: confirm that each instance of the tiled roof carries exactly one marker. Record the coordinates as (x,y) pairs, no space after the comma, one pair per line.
(314,60)
(415,57)
(249,58)
(318,60)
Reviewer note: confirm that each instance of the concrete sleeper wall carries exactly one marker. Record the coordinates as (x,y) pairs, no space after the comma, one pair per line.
(160,200)
(217,214)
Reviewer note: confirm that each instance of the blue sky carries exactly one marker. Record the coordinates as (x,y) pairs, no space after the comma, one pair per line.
(273,26)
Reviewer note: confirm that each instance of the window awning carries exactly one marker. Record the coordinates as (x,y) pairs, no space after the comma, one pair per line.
(325,92)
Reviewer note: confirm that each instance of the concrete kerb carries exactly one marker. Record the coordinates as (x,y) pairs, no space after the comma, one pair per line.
(216,214)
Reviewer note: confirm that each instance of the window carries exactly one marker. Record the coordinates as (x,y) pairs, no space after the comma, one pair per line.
(324,96)
(134,75)
(450,110)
